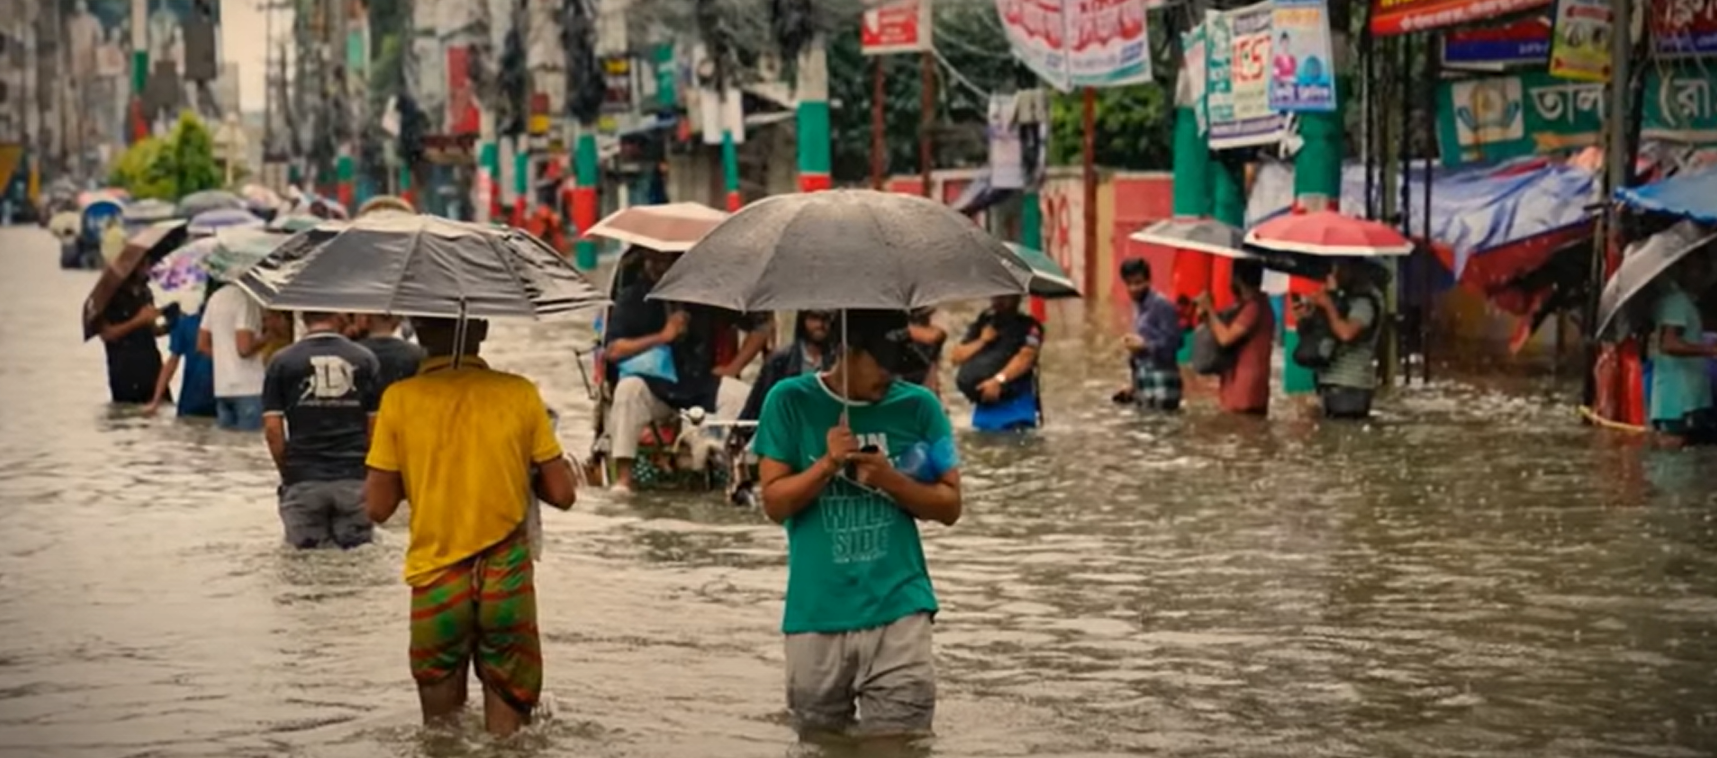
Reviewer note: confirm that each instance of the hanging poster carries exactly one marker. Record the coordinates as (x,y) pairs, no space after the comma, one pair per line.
(1522,42)
(1079,43)
(1190,86)
(895,26)
(1684,27)
(462,114)
(1301,68)
(1390,17)
(1238,99)
(1580,49)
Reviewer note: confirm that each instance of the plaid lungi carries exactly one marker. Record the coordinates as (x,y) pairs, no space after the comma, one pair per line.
(1156,388)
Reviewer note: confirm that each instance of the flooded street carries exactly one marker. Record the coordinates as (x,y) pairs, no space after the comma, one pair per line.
(1473,574)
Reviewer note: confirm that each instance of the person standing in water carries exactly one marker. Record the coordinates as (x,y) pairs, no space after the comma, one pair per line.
(850,460)
(399,358)
(461,441)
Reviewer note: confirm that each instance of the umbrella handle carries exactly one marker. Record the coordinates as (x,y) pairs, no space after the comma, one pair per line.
(459,330)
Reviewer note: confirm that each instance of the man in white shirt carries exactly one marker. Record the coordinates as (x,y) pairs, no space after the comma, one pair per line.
(231,335)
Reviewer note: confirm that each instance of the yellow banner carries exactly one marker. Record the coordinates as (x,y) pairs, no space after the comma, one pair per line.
(1580,44)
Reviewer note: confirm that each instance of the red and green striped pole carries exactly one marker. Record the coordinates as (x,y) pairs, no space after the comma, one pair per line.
(139,68)
(813,119)
(584,165)
(730,169)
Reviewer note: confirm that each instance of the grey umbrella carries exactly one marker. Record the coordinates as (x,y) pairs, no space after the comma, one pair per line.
(413,265)
(843,249)
(1642,263)
(1204,235)
(208,200)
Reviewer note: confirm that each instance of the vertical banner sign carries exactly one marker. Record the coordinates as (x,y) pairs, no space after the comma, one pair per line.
(895,26)
(1302,76)
(1580,49)
(1302,71)
(1239,67)
(463,116)
(1684,27)
(1190,85)
(1391,17)
(1079,43)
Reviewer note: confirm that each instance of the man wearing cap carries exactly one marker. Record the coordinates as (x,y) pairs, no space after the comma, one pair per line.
(850,492)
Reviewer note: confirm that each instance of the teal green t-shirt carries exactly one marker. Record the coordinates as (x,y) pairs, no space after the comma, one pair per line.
(1679,385)
(854,560)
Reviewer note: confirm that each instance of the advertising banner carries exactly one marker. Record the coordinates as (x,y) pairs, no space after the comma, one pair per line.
(1390,17)
(1581,47)
(895,26)
(1079,43)
(1301,68)
(1238,65)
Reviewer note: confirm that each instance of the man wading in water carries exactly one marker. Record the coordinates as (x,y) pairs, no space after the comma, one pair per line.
(460,443)
(859,601)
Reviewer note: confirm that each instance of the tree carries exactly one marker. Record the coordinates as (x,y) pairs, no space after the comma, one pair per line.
(170,168)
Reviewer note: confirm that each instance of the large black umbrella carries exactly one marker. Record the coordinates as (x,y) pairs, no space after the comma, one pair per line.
(414,265)
(1643,263)
(843,249)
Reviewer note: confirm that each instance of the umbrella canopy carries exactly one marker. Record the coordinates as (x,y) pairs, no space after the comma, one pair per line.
(415,265)
(1048,278)
(843,249)
(381,203)
(671,228)
(1203,235)
(1690,195)
(208,222)
(208,200)
(236,250)
(184,268)
(260,197)
(294,223)
(1328,233)
(149,211)
(1643,263)
(144,248)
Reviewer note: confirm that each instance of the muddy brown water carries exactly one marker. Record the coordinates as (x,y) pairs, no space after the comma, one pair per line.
(1472,574)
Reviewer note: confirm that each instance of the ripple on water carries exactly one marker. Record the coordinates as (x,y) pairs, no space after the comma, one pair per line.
(1471,574)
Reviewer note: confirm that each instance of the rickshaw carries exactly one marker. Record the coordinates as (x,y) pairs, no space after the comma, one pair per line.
(671,455)
(94,214)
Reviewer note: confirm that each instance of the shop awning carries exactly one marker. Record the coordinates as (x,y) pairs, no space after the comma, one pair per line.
(1692,196)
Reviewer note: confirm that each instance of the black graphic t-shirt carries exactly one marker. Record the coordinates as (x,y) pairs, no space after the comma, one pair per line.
(399,359)
(326,386)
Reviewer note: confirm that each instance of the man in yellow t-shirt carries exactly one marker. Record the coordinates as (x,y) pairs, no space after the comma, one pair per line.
(468,446)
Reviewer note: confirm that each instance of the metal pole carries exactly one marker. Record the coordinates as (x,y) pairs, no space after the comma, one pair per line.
(927,118)
(878,150)
(1089,118)
(1431,74)
(1617,172)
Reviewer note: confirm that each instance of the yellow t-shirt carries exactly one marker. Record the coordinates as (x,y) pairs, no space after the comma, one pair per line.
(463,440)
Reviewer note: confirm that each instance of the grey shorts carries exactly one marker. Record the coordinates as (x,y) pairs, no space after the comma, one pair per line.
(879,681)
(325,514)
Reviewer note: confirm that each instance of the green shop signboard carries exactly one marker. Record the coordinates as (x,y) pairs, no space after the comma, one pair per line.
(1502,117)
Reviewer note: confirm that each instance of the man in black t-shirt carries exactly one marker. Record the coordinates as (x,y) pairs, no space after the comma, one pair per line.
(318,398)
(399,358)
(689,334)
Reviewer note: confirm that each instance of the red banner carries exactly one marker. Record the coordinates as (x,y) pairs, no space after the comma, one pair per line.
(462,114)
(1390,17)
(895,26)
(1684,27)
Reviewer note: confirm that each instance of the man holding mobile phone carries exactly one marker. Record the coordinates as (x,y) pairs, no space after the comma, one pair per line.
(851,460)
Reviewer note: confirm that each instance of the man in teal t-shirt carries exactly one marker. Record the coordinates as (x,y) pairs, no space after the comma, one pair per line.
(859,601)
(1681,405)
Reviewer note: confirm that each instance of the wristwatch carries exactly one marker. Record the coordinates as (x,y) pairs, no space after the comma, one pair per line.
(1001,377)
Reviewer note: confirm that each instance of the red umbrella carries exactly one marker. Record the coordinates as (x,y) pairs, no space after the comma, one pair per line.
(1328,233)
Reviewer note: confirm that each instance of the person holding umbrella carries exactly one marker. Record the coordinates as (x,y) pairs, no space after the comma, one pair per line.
(850,460)
(128,331)
(1351,309)
(472,448)
(1681,404)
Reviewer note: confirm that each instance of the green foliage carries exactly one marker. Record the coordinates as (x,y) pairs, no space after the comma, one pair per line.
(170,168)
(1135,127)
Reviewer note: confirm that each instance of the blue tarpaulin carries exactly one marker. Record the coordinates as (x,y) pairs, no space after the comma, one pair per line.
(1472,209)
(1692,196)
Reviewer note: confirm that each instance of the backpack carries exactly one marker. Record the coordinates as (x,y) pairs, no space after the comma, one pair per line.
(1209,357)
(1318,343)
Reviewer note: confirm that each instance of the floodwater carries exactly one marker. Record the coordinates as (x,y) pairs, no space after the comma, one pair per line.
(1472,574)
